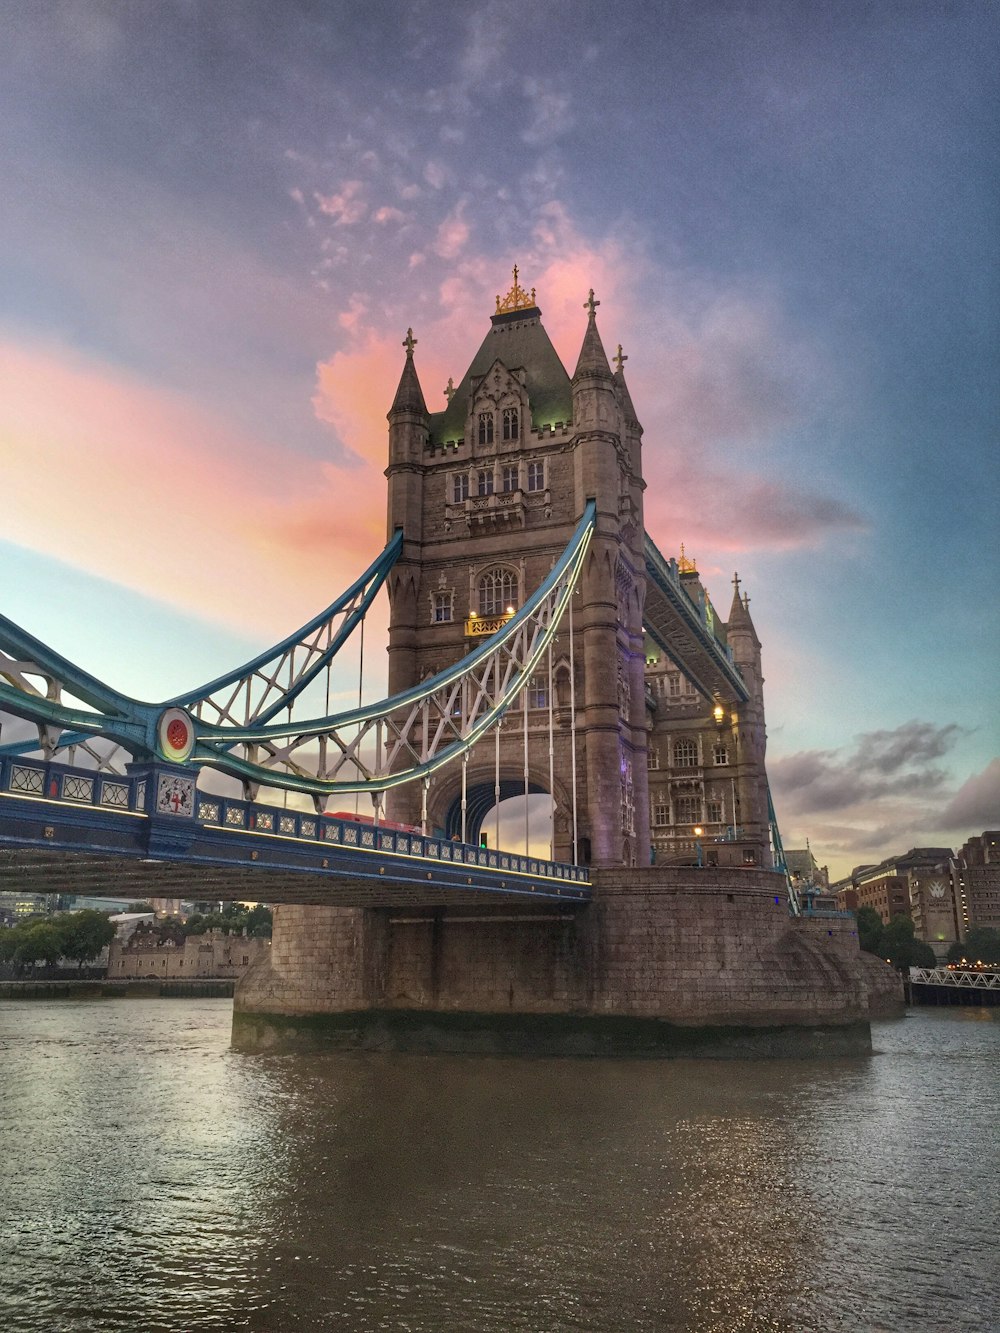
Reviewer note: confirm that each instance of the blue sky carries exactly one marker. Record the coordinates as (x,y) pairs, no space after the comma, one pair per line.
(218,220)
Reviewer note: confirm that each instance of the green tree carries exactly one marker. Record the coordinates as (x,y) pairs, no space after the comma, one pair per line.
(902,949)
(40,942)
(85,934)
(981,945)
(869,930)
(260,920)
(141,907)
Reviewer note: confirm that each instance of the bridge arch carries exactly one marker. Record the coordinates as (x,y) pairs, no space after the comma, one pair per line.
(444,805)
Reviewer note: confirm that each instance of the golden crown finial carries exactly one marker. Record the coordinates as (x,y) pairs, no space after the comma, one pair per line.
(517,298)
(685,565)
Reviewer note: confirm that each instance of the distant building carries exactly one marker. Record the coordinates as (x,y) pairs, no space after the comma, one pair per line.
(975,882)
(917,884)
(804,868)
(15,907)
(127,923)
(165,952)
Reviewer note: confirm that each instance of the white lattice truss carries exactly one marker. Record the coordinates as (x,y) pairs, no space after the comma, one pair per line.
(964,979)
(407,737)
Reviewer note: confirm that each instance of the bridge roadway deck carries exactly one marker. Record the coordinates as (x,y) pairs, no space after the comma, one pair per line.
(60,833)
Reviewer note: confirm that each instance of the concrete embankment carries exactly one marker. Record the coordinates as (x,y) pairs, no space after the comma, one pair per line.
(114,990)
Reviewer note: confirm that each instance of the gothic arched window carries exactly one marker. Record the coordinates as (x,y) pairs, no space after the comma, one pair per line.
(497,591)
(685,754)
(510,423)
(486,428)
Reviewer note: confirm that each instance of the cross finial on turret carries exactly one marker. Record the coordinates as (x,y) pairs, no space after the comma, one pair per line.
(619,358)
(449,389)
(746,602)
(590,304)
(736,583)
(409,342)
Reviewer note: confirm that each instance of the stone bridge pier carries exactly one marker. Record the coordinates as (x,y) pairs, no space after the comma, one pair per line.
(662,962)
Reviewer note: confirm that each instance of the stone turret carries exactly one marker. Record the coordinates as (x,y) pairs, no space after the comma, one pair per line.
(751,735)
(408,427)
(408,431)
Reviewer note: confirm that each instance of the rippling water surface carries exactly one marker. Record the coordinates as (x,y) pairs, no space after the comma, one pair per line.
(152,1180)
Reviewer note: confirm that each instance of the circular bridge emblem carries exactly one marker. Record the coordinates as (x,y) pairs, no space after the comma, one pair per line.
(175,735)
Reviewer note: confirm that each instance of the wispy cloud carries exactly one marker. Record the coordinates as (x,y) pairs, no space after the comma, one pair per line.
(346,205)
(879,764)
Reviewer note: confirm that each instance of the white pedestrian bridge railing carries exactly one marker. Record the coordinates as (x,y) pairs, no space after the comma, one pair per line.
(971,978)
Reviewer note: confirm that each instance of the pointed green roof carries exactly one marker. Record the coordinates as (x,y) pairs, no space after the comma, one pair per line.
(518,341)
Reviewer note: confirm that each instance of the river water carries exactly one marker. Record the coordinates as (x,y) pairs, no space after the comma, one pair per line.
(150,1179)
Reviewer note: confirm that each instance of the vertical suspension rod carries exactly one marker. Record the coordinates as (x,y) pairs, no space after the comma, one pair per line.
(572,729)
(524,706)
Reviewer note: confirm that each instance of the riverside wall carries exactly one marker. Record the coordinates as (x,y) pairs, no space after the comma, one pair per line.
(663,962)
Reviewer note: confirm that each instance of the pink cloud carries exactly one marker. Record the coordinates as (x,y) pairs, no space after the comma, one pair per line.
(345,207)
(706,369)
(452,234)
(160,495)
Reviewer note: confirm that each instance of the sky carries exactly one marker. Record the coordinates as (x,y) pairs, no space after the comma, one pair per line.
(218,220)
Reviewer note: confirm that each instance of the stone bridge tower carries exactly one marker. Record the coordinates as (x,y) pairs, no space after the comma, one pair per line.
(488,493)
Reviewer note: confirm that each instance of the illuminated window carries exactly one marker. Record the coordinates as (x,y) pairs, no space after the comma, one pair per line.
(443,605)
(510,423)
(510,479)
(720,755)
(485,483)
(460,487)
(497,591)
(486,428)
(536,476)
(685,754)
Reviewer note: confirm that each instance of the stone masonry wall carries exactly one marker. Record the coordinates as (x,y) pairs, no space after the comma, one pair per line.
(503,964)
(691,947)
(322,960)
(678,945)
(215,954)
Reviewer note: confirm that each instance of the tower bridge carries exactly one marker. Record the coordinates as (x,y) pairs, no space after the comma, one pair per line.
(539,643)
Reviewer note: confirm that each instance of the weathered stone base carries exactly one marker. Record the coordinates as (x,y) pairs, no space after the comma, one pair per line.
(662,962)
(392,1030)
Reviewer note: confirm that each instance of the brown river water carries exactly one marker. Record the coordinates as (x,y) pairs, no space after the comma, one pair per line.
(151,1179)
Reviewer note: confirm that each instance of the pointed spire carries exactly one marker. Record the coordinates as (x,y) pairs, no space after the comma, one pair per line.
(628,407)
(593,358)
(409,395)
(739,612)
